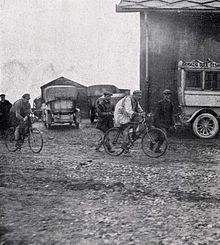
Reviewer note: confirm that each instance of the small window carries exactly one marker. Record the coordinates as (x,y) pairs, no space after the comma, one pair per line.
(193,80)
(212,81)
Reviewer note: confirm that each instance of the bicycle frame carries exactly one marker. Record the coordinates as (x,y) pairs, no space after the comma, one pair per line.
(153,140)
(33,135)
(24,130)
(147,124)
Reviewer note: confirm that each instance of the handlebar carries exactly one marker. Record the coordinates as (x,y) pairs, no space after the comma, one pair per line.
(29,119)
(144,118)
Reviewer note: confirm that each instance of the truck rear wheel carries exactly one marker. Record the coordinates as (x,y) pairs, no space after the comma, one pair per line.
(205,126)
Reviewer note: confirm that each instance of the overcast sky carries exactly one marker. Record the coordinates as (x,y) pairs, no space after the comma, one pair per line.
(83,40)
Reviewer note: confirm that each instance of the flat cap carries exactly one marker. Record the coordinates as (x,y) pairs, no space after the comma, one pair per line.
(2,95)
(27,96)
(167,91)
(107,93)
(137,92)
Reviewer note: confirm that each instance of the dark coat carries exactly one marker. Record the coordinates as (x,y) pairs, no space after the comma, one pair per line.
(163,117)
(105,116)
(5,107)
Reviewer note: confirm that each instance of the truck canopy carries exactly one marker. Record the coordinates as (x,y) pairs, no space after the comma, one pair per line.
(59,92)
(114,99)
(98,90)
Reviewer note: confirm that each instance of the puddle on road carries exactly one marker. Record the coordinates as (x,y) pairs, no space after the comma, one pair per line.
(195,197)
(133,193)
(92,185)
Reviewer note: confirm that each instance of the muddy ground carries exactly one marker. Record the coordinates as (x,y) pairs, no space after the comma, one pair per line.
(70,194)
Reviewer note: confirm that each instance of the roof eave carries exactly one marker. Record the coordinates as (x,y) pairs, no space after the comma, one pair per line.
(120,9)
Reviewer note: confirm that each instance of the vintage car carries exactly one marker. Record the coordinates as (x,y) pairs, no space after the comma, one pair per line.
(95,95)
(59,105)
(199,96)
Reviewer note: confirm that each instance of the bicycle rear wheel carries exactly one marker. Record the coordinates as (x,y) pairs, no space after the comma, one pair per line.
(10,140)
(112,142)
(35,140)
(154,143)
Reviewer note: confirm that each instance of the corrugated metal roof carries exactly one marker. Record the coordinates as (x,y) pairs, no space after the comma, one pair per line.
(169,4)
(63,81)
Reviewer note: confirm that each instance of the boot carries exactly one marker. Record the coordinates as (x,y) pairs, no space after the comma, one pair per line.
(124,146)
(110,148)
(158,150)
(152,146)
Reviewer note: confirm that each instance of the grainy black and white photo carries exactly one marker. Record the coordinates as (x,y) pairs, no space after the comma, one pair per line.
(109,122)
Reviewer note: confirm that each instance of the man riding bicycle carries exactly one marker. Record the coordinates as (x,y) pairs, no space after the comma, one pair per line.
(128,113)
(19,113)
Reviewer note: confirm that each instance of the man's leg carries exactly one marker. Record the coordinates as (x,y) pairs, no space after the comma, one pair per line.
(99,144)
(125,138)
(102,126)
(160,139)
(107,142)
(109,145)
(17,133)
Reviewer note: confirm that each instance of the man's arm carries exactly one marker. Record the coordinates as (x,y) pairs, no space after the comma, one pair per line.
(128,107)
(101,112)
(139,108)
(17,107)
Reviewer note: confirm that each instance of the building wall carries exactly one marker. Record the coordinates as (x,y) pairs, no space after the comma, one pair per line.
(173,37)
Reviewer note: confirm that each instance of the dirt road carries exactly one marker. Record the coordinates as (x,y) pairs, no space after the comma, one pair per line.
(70,194)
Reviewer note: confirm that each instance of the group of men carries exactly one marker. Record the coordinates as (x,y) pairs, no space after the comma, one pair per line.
(14,114)
(128,112)
(125,113)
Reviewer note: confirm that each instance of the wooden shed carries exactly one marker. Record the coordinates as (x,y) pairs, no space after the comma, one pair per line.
(171,31)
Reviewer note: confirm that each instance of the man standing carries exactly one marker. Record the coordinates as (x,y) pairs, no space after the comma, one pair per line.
(127,114)
(5,106)
(163,117)
(105,110)
(18,114)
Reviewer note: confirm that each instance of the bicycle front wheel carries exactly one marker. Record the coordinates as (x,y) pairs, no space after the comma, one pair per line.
(35,140)
(112,142)
(154,143)
(10,140)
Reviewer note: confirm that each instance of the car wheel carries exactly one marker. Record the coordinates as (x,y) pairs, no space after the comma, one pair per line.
(205,126)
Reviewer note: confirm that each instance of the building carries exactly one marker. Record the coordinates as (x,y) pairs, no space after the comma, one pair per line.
(171,31)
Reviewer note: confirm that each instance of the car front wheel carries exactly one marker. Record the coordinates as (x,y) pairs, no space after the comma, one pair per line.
(205,126)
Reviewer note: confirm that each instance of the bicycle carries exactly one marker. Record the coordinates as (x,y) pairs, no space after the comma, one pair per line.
(153,140)
(33,136)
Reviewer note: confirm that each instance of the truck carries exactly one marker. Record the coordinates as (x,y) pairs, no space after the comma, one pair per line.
(199,96)
(59,105)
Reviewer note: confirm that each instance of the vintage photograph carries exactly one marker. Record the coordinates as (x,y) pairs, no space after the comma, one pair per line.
(109,122)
